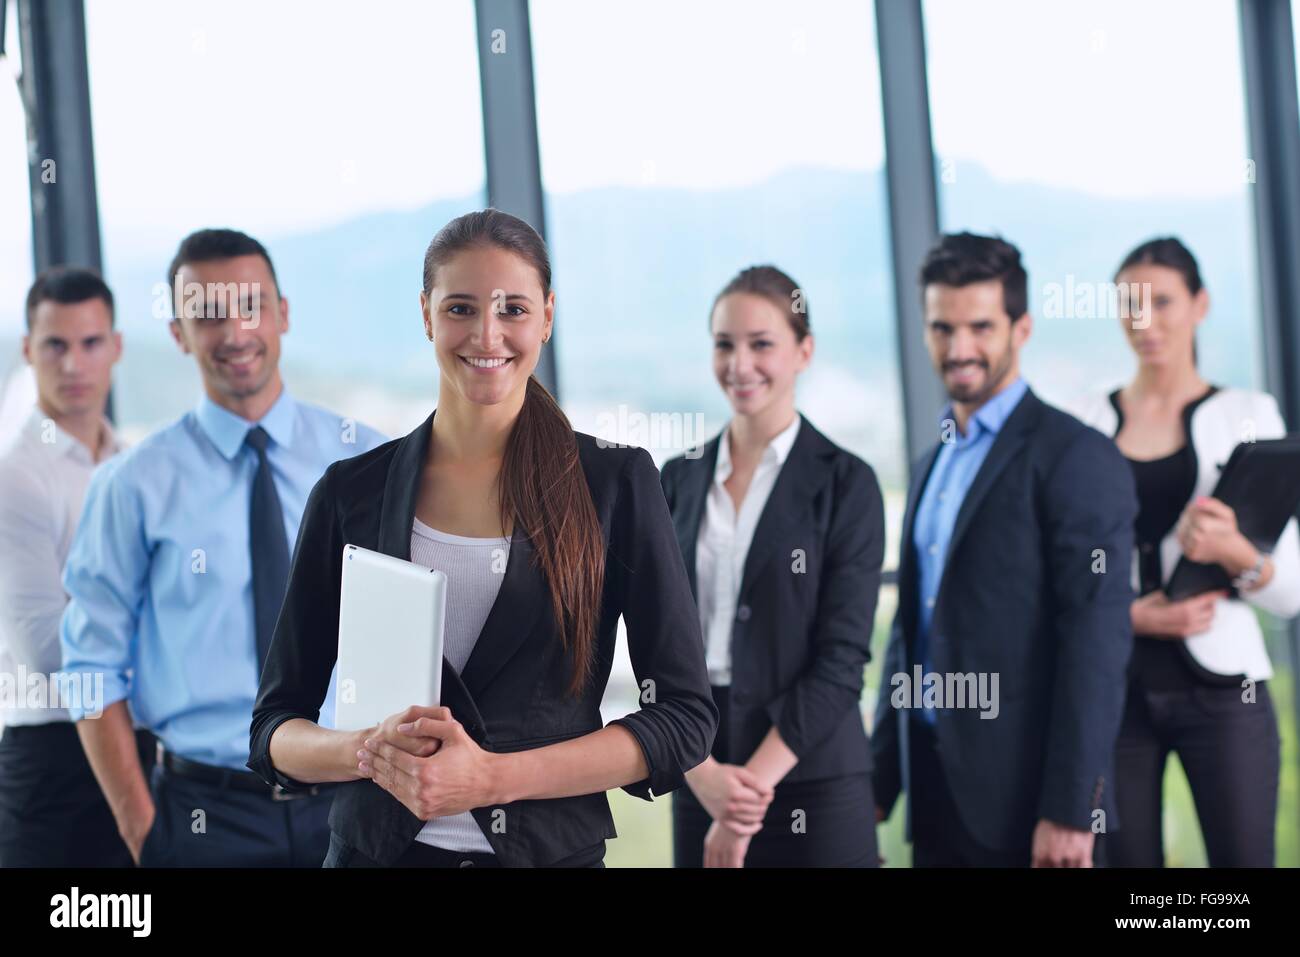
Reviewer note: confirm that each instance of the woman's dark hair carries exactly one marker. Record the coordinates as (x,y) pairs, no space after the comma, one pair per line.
(1167,251)
(776,287)
(1170,252)
(541,482)
(961,259)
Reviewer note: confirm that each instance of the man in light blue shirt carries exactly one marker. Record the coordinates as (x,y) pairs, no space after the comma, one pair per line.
(961,453)
(178,570)
(1013,630)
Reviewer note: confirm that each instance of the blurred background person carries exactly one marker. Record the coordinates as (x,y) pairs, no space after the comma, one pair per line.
(1197,684)
(1007,518)
(178,571)
(783,534)
(52,812)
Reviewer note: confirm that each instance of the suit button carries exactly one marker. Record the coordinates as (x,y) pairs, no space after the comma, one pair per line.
(466,863)
(743,613)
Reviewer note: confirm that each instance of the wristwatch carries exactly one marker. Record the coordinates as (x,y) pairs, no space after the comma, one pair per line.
(1249,578)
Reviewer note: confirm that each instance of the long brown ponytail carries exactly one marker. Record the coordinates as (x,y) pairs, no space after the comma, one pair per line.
(541,483)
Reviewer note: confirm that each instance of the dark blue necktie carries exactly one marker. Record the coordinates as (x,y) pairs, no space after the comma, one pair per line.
(268,547)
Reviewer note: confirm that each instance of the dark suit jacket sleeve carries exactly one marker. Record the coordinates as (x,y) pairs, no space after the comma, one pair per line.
(807,712)
(1089,510)
(677,719)
(887,768)
(668,482)
(298,665)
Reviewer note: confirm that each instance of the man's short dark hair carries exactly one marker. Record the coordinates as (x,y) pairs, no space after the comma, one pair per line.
(68,285)
(208,245)
(961,259)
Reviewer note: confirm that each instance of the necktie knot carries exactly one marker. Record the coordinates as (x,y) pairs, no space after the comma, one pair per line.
(258,438)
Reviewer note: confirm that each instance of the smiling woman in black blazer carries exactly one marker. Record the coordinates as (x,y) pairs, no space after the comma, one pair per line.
(783,536)
(512,769)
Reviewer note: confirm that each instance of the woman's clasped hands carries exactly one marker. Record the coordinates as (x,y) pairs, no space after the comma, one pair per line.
(737,801)
(426,759)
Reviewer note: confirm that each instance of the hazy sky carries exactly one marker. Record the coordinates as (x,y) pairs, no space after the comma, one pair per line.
(15,209)
(283,116)
(1140,98)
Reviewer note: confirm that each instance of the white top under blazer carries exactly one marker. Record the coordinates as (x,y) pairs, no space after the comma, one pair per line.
(474,568)
(723,544)
(1234,643)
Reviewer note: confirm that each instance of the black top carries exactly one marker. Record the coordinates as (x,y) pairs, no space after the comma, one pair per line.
(1164,488)
(512,693)
(802,632)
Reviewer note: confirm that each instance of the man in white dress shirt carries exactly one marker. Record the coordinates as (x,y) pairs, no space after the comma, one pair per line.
(52,811)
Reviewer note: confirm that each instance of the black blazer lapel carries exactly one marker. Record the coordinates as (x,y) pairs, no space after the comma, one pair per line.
(691,495)
(396,516)
(1010,440)
(364,814)
(801,477)
(514,615)
(400,490)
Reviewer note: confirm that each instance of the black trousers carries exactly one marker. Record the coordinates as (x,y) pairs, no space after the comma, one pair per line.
(1231,753)
(197,824)
(426,855)
(824,823)
(939,838)
(52,811)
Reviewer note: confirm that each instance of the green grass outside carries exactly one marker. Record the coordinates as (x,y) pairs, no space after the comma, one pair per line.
(645,827)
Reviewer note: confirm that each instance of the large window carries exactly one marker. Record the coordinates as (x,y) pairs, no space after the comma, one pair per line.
(17,391)
(674,156)
(341,137)
(1078,130)
(753,136)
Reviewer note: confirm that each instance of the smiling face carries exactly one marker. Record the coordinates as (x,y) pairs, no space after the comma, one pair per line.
(71,348)
(973,343)
(756,355)
(230,316)
(1162,327)
(487,315)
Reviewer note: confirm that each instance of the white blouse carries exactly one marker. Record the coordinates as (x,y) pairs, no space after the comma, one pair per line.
(474,568)
(723,543)
(44,472)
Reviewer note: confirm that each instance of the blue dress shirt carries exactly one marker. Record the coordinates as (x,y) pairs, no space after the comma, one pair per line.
(951,477)
(159,576)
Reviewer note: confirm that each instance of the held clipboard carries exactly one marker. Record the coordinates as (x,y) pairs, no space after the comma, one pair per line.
(1261,482)
(391,619)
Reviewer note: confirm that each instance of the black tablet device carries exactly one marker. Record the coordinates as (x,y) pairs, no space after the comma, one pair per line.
(1261,482)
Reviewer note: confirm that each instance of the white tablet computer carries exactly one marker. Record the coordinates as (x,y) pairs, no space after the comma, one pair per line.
(391,616)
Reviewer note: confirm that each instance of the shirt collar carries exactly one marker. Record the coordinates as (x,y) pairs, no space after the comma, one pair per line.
(63,443)
(778,450)
(993,414)
(228,431)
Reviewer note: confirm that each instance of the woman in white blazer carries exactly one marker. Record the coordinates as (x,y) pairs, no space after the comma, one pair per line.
(1199,672)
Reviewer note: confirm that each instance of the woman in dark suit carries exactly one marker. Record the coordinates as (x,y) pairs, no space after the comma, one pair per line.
(783,536)
(511,770)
